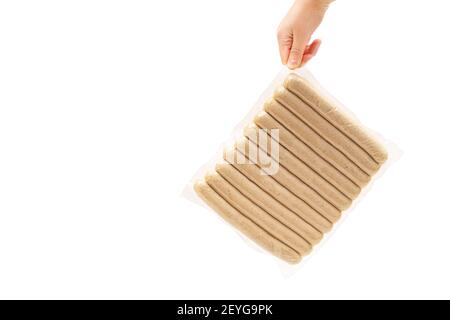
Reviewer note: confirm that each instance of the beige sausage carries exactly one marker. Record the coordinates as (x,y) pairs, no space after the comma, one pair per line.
(302,151)
(268,203)
(326,130)
(316,142)
(256,214)
(298,187)
(279,192)
(330,110)
(245,225)
(301,170)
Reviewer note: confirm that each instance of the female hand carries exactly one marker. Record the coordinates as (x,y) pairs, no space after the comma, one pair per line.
(296,29)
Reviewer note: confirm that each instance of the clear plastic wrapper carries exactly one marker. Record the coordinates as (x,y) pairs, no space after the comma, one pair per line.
(242,129)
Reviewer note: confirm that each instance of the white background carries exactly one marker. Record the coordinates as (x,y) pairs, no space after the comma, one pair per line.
(107,108)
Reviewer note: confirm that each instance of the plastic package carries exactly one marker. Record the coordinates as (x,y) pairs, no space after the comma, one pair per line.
(296,164)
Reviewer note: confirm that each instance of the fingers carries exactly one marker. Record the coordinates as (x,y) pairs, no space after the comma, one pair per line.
(310,51)
(296,53)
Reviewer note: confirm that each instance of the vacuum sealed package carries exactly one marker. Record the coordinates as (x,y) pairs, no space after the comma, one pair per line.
(295,165)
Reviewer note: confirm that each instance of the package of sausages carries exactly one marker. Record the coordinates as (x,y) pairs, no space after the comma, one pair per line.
(295,166)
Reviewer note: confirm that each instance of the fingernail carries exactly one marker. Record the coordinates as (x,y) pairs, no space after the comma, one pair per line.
(293,62)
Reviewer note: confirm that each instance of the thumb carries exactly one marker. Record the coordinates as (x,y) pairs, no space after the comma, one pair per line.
(297,50)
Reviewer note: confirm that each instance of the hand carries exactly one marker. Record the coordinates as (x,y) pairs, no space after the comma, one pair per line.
(296,29)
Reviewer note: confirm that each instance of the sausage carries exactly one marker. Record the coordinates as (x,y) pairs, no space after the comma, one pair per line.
(316,142)
(299,188)
(264,200)
(279,192)
(309,156)
(245,225)
(331,111)
(326,130)
(265,221)
(301,170)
